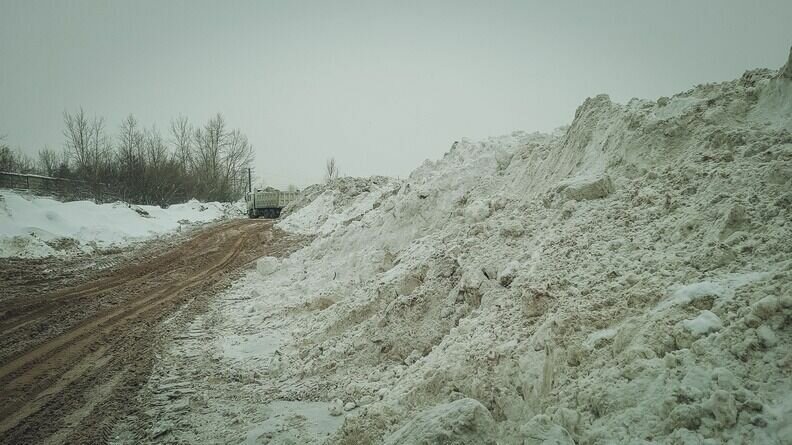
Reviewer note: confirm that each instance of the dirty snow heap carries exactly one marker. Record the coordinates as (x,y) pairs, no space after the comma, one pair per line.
(626,279)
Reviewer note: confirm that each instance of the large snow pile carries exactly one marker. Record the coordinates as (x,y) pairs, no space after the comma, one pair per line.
(36,227)
(322,208)
(627,279)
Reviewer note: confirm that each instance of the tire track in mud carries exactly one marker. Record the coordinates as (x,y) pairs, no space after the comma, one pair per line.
(76,338)
(71,387)
(32,308)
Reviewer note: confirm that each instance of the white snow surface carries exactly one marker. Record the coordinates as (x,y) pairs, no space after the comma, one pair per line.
(32,227)
(624,280)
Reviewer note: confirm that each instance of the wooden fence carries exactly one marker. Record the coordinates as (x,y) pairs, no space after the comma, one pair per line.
(62,189)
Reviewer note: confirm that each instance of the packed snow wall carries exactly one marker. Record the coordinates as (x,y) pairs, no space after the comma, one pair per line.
(626,279)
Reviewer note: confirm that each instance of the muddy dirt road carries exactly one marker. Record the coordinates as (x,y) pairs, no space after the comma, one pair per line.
(77,340)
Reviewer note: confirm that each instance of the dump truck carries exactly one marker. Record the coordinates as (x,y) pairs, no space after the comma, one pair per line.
(268,202)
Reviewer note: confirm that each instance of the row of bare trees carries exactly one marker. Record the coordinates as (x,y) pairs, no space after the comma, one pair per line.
(207,162)
(14,160)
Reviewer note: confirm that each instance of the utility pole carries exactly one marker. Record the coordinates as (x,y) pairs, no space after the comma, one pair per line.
(250,190)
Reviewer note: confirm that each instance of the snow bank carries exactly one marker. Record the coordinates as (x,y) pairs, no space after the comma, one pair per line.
(626,279)
(37,227)
(321,209)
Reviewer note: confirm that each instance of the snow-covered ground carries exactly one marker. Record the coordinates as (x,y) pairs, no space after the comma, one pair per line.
(32,227)
(626,279)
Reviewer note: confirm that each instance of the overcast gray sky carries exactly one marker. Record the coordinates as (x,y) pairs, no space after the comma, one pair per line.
(379,85)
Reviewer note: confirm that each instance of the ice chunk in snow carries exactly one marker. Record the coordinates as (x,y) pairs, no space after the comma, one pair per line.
(766,336)
(705,323)
(464,421)
(289,422)
(597,337)
(477,211)
(336,407)
(508,273)
(267,265)
(541,430)
(695,291)
(721,289)
(585,188)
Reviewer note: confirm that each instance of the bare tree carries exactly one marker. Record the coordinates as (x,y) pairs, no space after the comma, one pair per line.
(101,147)
(13,160)
(158,179)
(209,144)
(87,144)
(23,162)
(182,134)
(77,135)
(237,156)
(17,161)
(6,156)
(216,139)
(130,159)
(63,169)
(156,151)
(130,140)
(331,170)
(47,161)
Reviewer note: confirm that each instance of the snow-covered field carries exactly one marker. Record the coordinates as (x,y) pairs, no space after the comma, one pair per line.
(626,279)
(32,227)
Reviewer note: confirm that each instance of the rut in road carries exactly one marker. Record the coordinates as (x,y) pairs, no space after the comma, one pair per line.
(82,368)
